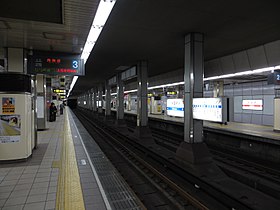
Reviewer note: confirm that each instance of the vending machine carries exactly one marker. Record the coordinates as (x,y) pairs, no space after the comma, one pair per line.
(16,139)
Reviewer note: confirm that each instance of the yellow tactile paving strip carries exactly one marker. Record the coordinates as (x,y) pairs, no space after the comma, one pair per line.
(69,193)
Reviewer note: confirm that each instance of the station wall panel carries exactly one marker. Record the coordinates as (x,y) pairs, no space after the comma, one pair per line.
(241,61)
(227,64)
(237,117)
(273,53)
(268,119)
(246,118)
(252,90)
(213,68)
(268,104)
(257,119)
(257,57)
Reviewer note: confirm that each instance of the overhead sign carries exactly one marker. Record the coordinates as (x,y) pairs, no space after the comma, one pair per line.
(274,78)
(252,105)
(56,65)
(175,107)
(59,91)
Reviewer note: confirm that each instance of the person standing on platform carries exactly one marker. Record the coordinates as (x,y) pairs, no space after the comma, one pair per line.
(61,107)
(53,111)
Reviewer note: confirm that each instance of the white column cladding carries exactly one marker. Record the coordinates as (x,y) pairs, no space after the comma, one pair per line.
(100,101)
(218,89)
(41,101)
(193,78)
(16,60)
(142,104)
(107,99)
(120,98)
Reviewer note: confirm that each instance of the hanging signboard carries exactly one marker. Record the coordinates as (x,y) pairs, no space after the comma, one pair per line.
(56,65)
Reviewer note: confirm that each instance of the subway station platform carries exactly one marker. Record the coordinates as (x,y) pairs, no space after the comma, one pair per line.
(260,132)
(63,174)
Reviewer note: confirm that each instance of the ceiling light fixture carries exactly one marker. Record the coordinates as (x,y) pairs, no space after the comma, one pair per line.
(103,11)
(214,78)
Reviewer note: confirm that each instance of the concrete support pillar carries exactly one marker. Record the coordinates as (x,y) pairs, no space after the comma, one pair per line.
(193,78)
(142,130)
(120,98)
(142,104)
(100,101)
(107,99)
(94,99)
(42,117)
(193,152)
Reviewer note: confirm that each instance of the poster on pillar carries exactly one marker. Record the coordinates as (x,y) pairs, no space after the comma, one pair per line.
(8,105)
(10,128)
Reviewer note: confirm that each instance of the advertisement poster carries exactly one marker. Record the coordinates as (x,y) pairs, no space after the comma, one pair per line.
(8,105)
(10,128)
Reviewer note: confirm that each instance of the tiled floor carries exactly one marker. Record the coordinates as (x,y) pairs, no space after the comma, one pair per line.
(39,183)
(33,184)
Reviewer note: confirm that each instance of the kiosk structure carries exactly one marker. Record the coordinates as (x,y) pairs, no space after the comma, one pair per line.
(15,117)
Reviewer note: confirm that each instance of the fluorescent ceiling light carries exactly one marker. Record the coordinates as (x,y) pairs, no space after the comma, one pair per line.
(255,71)
(103,11)
(74,80)
(214,77)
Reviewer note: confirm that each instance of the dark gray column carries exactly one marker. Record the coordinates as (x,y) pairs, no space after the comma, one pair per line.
(193,78)
(107,99)
(100,101)
(120,98)
(94,99)
(142,105)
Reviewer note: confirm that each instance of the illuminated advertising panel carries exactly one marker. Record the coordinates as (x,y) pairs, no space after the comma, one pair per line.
(175,107)
(252,105)
(210,109)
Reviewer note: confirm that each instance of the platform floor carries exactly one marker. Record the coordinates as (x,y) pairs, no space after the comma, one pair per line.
(60,173)
(235,127)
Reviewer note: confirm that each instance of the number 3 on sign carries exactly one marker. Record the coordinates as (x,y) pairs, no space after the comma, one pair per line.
(75,64)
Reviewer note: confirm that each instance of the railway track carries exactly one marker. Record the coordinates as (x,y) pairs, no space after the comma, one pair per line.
(253,174)
(183,193)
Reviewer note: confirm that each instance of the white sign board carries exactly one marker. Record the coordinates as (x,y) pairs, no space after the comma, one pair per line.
(209,109)
(252,105)
(175,107)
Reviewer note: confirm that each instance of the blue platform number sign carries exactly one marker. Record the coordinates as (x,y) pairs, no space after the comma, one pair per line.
(75,64)
(277,77)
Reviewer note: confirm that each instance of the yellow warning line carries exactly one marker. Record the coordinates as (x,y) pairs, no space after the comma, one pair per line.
(69,193)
